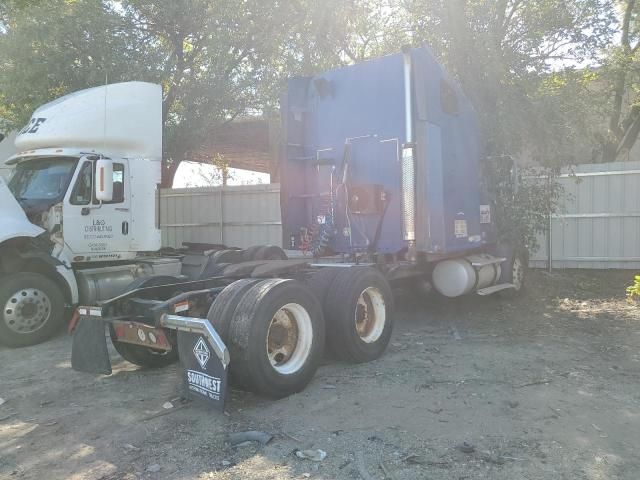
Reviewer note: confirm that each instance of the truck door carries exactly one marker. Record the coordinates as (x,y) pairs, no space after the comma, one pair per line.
(94,230)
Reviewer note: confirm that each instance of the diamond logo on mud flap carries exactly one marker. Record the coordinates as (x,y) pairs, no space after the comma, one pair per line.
(202,352)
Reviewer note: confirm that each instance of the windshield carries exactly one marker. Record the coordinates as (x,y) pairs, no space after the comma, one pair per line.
(44,179)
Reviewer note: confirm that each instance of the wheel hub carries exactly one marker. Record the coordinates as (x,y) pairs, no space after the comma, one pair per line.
(289,339)
(282,339)
(27,310)
(370,315)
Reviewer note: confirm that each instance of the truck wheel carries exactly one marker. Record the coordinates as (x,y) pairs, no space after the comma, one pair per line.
(276,338)
(514,271)
(33,309)
(270,252)
(228,256)
(224,306)
(359,313)
(320,282)
(250,253)
(137,354)
(213,270)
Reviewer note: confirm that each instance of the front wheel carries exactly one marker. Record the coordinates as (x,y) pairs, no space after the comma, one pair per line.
(33,309)
(514,271)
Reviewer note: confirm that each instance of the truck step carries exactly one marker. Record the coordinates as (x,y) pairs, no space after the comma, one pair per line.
(487,261)
(495,288)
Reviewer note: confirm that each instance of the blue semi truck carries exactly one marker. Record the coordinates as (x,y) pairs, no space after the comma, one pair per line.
(380,186)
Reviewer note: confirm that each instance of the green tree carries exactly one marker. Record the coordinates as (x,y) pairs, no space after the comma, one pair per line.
(215,59)
(503,52)
(48,49)
(619,77)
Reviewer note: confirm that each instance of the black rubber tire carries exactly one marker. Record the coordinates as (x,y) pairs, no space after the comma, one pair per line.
(321,281)
(250,253)
(228,256)
(11,284)
(137,354)
(270,252)
(213,270)
(340,313)
(250,366)
(507,276)
(224,306)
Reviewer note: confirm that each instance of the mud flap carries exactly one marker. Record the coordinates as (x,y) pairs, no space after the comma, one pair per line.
(205,377)
(89,352)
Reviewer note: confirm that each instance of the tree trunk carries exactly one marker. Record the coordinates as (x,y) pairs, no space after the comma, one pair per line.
(616,128)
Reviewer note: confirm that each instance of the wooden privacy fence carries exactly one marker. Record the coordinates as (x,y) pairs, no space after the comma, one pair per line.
(599,226)
(238,216)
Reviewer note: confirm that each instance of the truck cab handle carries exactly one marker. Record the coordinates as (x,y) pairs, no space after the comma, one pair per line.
(85,211)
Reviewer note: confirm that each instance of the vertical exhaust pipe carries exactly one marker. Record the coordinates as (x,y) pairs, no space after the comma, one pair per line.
(408,166)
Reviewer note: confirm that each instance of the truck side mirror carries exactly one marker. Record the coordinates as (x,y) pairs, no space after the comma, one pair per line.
(104,180)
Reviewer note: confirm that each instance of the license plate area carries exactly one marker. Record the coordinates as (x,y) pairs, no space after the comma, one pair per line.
(141,334)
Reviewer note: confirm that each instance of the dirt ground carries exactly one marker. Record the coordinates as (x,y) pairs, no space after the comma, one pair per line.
(542,387)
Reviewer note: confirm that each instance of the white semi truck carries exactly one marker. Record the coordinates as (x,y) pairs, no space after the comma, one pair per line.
(80,213)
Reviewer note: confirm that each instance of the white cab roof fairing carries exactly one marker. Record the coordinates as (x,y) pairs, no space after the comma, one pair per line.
(47,152)
(76,122)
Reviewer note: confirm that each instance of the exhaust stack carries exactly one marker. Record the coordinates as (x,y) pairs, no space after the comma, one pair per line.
(408,165)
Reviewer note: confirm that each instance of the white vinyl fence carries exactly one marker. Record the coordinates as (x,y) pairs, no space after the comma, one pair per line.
(238,216)
(599,226)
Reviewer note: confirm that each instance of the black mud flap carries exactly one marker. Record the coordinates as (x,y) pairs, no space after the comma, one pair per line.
(89,351)
(204,374)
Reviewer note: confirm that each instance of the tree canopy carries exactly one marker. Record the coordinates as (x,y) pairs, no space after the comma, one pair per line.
(552,80)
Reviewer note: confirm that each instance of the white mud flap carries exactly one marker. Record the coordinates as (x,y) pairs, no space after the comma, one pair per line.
(205,376)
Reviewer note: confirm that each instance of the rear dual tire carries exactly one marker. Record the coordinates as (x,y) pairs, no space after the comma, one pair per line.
(359,314)
(263,252)
(274,330)
(142,356)
(137,354)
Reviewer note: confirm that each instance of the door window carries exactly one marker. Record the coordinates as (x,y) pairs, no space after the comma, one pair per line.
(118,183)
(83,192)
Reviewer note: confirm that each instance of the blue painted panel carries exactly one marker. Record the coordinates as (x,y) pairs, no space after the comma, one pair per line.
(358,113)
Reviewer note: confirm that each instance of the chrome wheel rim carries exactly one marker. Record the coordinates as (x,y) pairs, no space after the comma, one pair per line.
(289,339)
(371,315)
(518,273)
(27,310)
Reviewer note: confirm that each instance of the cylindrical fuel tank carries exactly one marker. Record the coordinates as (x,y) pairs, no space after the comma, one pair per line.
(457,277)
(103,283)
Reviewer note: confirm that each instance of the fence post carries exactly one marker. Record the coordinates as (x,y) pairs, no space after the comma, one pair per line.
(222,214)
(549,227)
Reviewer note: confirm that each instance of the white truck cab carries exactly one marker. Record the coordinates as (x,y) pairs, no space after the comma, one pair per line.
(79,213)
